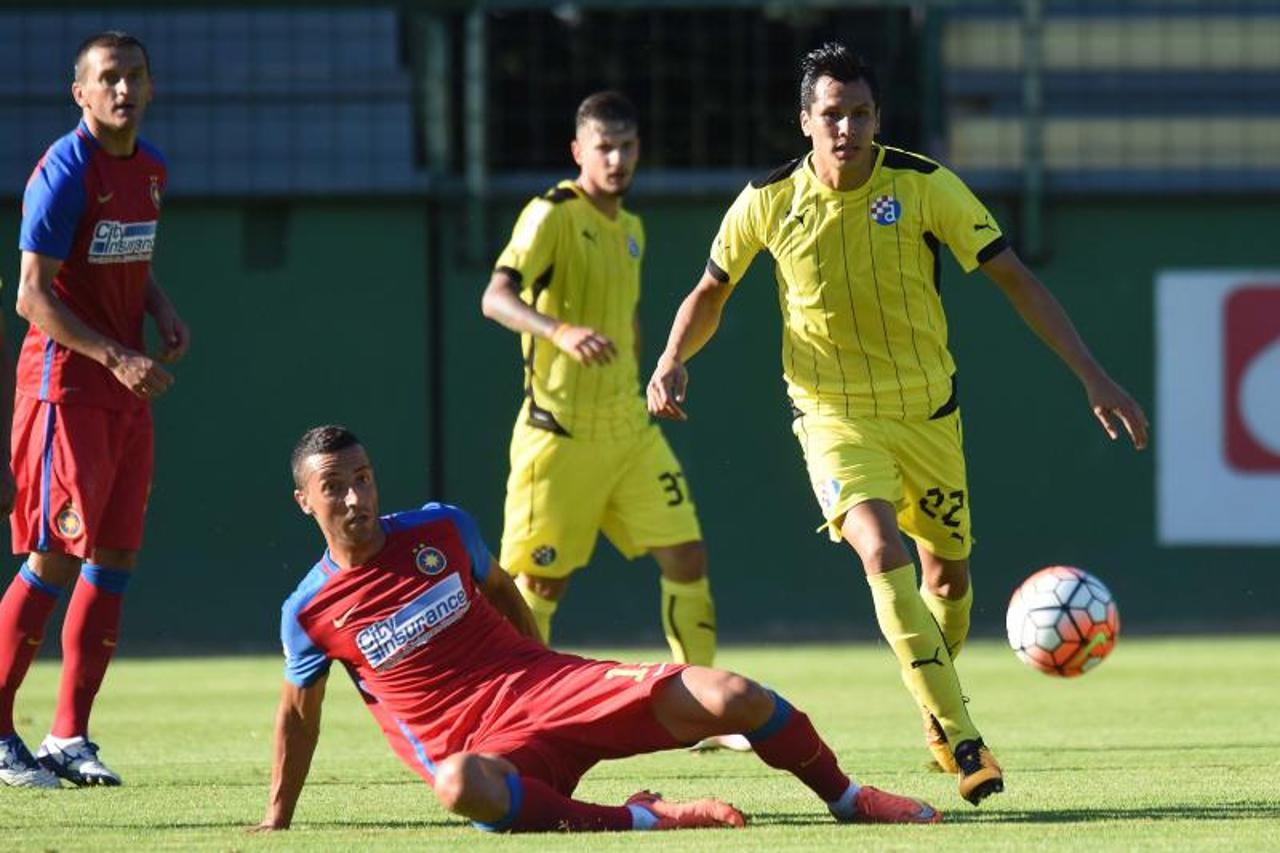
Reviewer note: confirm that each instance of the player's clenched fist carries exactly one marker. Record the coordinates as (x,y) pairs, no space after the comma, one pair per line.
(666,389)
(584,344)
(141,375)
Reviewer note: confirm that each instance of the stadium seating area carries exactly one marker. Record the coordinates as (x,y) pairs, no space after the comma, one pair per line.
(1158,97)
(1148,97)
(251,102)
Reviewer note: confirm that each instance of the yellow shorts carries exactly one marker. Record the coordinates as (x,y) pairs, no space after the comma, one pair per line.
(918,466)
(563,491)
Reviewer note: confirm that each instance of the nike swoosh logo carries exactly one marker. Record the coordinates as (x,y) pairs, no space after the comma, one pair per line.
(342,620)
(103,199)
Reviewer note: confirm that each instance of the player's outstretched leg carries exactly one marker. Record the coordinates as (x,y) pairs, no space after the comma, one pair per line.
(871,528)
(927,667)
(689,619)
(943,578)
(491,792)
(704,702)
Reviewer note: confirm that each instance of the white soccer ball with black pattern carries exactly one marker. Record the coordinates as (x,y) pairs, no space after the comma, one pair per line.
(1062,621)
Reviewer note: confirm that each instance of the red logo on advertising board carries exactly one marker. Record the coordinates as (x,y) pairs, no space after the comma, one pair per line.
(1251,341)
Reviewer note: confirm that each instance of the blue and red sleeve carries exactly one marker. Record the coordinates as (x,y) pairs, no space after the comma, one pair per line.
(305,662)
(54,201)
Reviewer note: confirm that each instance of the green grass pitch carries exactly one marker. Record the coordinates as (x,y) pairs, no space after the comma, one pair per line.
(1171,744)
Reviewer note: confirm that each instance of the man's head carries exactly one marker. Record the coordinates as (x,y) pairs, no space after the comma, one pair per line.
(333,482)
(839,105)
(112,82)
(606,143)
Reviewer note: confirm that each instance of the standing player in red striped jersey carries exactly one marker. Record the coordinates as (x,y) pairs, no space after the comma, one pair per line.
(82,434)
(445,654)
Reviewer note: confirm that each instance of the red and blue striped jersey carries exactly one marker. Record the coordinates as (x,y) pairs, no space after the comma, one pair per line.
(98,215)
(428,652)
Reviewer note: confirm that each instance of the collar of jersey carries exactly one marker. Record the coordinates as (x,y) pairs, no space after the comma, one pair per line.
(83,129)
(822,189)
(582,196)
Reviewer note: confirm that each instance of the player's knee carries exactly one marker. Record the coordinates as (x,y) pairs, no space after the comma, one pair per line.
(549,588)
(750,704)
(54,568)
(881,555)
(737,700)
(461,784)
(683,563)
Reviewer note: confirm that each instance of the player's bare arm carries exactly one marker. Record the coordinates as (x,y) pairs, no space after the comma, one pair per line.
(1046,317)
(502,304)
(174,334)
(297,733)
(39,305)
(696,322)
(501,592)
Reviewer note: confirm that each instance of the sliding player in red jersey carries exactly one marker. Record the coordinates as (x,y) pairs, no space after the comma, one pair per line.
(82,435)
(446,655)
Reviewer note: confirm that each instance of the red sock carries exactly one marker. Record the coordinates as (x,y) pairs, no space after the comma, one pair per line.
(537,807)
(789,742)
(24,610)
(89,635)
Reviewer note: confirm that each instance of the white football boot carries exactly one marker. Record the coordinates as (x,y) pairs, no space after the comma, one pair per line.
(76,760)
(20,769)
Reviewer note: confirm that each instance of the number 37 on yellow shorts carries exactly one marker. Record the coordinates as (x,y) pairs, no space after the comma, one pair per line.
(563,492)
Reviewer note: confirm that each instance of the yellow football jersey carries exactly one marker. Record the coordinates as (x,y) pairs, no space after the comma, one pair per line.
(577,265)
(858,277)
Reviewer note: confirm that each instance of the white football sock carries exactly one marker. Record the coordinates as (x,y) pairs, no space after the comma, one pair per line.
(844,807)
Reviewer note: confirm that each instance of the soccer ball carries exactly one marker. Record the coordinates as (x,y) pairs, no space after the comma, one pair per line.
(1062,621)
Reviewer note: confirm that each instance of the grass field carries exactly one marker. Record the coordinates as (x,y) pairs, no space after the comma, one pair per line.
(1171,744)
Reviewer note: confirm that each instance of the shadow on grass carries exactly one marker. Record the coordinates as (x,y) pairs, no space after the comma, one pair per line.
(244,825)
(1255,809)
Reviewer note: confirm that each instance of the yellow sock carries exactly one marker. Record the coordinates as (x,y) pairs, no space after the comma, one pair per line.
(952,616)
(542,608)
(689,620)
(916,640)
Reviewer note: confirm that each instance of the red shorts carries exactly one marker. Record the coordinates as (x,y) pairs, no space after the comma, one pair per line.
(83,476)
(572,713)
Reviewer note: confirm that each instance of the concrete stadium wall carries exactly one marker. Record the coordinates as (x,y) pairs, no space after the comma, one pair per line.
(316,311)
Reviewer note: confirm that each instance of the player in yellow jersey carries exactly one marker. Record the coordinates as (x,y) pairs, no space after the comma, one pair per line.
(585,456)
(855,229)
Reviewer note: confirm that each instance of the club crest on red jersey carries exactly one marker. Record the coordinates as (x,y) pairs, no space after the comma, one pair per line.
(69,523)
(430,561)
(155,191)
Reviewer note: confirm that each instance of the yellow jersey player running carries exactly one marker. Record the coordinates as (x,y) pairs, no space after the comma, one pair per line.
(855,229)
(585,456)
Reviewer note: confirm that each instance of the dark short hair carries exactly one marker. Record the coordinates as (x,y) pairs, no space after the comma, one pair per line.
(329,438)
(836,61)
(109,39)
(608,107)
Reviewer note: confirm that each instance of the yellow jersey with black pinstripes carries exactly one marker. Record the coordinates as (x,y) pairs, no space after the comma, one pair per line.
(858,279)
(577,265)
